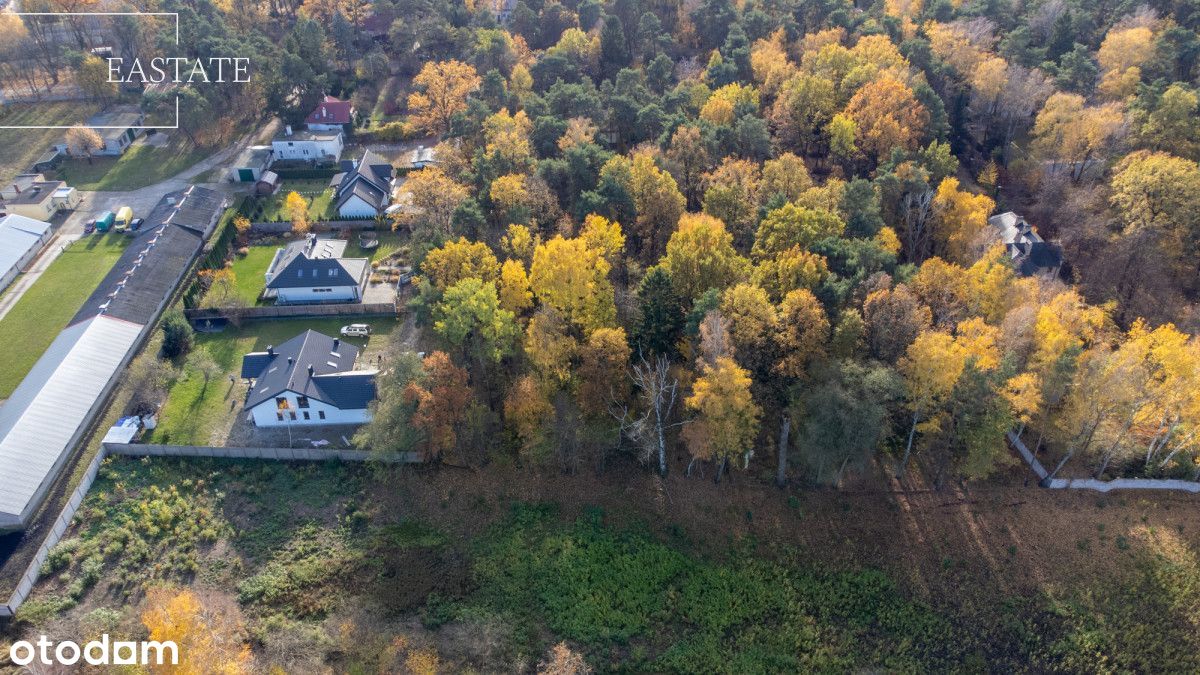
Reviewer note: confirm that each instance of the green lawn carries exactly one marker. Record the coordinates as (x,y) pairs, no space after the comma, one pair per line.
(196,414)
(22,147)
(51,301)
(317,193)
(140,166)
(250,269)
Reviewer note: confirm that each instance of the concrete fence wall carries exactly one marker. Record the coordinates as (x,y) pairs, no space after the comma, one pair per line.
(291,311)
(63,522)
(1094,484)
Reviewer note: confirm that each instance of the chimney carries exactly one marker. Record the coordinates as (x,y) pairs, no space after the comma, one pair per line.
(336,342)
(310,370)
(270,350)
(324,112)
(287,130)
(289,362)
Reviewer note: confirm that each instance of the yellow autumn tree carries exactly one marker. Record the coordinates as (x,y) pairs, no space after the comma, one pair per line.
(803,333)
(442,91)
(700,256)
(571,277)
(959,220)
(1121,56)
(515,295)
(458,260)
(726,422)
(603,235)
(295,209)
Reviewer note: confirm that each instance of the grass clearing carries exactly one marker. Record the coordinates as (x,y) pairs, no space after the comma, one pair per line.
(50,303)
(202,413)
(22,147)
(341,559)
(141,165)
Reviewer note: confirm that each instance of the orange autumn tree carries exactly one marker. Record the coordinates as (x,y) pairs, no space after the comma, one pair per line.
(210,637)
(441,399)
(887,115)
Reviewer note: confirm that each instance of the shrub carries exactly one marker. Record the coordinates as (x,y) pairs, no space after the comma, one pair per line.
(177,335)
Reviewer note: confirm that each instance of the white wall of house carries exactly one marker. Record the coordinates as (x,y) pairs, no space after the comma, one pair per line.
(267,413)
(314,149)
(356,207)
(324,127)
(319,294)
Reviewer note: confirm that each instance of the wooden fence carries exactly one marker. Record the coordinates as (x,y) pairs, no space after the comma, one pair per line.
(200,315)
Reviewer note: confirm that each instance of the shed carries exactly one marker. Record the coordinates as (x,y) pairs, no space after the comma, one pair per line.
(21,240)
(267,183)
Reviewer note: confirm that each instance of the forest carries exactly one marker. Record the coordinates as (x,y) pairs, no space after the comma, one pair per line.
(760,233)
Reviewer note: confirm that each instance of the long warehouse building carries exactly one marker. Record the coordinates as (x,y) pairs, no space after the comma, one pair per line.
(56,403)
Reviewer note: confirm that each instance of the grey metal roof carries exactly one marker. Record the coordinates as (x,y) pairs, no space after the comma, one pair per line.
(40,421)
(18,235)
(332,379)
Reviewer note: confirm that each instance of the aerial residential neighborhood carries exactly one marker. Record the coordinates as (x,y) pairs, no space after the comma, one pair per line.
(596,336)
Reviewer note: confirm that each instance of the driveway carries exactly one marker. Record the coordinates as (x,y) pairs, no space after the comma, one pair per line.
(141,201)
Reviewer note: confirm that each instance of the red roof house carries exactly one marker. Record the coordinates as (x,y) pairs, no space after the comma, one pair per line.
(331,114)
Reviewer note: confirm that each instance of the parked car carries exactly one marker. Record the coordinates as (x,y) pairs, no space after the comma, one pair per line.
(90,226)
(123,218)
(356,330)
(135,225)
(104,221)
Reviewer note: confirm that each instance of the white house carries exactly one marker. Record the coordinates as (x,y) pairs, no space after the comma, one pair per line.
(308,380)
(364,190)
(312,270)
(316,146)
(32,196)
(21,240)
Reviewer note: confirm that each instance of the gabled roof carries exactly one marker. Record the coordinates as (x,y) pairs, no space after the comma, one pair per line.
(1027,250)
(315,261)
(332,378)
(370,179)
(330,111)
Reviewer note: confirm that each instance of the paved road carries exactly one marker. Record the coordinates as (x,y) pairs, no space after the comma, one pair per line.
(141,201)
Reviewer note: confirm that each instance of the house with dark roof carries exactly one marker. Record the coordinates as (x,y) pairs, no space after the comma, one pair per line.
(310,379)
(364,188)
(331,114)
(1029,253)
(312,270)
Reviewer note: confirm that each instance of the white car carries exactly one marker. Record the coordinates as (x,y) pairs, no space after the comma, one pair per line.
(356,330)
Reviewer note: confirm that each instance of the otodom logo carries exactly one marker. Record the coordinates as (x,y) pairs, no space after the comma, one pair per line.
(102,652)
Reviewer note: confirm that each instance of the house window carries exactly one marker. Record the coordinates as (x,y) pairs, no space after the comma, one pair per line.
(333,273)
(305,414)
(293,416)
(302,402)
(282,403)
(279,416)
(321,414)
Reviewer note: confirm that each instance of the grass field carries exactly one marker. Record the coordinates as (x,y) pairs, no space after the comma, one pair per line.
(22,147)
(51,301)
(141,165)
(198,413)
(352,569)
